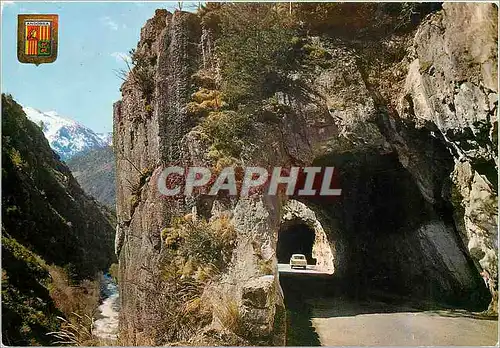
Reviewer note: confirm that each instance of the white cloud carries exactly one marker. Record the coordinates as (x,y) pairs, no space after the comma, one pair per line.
(25,10)
(5,3)
(109,23)
(121,57)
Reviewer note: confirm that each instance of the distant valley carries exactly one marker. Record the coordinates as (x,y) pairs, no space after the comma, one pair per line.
(88,154)
(95,172)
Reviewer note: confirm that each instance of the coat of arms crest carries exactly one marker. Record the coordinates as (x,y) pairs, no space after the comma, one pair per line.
(37,38)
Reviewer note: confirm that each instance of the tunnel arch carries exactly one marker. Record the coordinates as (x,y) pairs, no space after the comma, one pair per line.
(301,232)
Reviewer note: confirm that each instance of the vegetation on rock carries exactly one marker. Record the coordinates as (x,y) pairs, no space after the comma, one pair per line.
(262,49)
(197,254)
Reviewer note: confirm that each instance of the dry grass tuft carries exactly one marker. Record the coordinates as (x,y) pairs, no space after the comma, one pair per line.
(81,298)
(78,303)
(229,315)
(196,252)
(77,331)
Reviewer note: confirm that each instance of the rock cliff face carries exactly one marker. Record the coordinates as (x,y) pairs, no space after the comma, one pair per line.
(416,154)
(452,85)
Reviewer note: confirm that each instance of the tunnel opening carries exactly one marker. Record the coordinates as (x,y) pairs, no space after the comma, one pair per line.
(389,240)
(295,237)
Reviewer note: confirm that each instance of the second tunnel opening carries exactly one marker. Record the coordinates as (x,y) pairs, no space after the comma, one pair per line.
(295,237)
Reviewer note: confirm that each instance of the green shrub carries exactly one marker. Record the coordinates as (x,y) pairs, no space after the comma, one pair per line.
(134,202)
(204,102)
(114,271)
(266,267)
(316,52)
(227,129)
(172,238)
(425,66)
(145,174)
(367,19)
(204,94)
(254,50)
(28,312)
(205,79)
(17,160)
(12,209)
(142,73)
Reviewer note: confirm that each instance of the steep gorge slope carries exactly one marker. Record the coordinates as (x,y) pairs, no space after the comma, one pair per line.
(47,222)
(95,172)
(408,120)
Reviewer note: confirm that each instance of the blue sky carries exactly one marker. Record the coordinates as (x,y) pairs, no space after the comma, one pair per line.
(81,84)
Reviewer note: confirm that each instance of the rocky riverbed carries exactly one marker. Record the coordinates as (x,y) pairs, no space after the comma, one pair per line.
(106,327)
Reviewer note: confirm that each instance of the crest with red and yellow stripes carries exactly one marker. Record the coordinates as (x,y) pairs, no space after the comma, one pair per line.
(37,38)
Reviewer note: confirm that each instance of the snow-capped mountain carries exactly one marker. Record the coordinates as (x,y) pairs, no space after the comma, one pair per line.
(66,137)
(106,137)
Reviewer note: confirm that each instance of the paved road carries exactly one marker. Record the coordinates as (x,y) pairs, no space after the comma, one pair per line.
(285,268)
(322,310)
(340,322)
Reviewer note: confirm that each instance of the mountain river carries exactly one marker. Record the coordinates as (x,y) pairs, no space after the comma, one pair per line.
(106,327)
